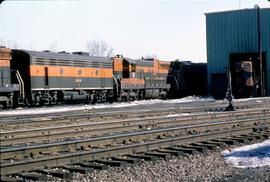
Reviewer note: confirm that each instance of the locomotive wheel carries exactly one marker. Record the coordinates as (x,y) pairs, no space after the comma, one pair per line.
(41,103)
(3,105)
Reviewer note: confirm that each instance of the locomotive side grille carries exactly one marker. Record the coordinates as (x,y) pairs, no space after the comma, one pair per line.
(76,63)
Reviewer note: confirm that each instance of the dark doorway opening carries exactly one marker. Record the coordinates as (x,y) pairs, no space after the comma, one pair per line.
(246,74)
(46,76)
(125,69)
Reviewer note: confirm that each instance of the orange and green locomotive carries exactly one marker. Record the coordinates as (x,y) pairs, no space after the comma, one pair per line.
(37,78)
(141,79)
(50,78)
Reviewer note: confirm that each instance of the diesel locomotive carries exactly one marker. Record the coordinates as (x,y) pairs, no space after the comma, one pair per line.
(35,78)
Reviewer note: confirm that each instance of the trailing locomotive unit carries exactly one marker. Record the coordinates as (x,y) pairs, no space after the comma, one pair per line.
(187,78)
(140,79)
(61,77)
(7,89)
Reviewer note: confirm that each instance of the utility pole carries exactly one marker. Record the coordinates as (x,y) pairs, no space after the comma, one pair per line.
(229,95)
(260,51)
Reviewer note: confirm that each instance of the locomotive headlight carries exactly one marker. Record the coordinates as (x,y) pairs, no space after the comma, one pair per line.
(7,85)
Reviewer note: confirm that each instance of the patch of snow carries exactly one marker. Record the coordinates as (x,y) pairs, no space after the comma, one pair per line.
(176,115)
(255,99)
(255,155)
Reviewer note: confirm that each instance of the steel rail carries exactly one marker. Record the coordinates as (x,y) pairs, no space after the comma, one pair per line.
(91,116)
(79,156)
(92,129)
(90,143)
(94,117)
(102,109)
(186,106)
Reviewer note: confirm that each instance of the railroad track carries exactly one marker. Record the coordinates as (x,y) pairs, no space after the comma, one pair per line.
(81,161)
(91,129)
(97,148)
(94,115)
(198,106)
(123,138)
(95,139)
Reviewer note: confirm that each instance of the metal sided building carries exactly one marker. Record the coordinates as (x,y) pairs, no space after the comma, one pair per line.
(234,38)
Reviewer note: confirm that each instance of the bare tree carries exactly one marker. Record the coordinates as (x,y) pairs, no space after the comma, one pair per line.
(10,44)
(99,48)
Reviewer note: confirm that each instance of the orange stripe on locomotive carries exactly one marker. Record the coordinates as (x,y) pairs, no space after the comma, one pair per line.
(135,81)
(4,63)
(66,71)
(158,67)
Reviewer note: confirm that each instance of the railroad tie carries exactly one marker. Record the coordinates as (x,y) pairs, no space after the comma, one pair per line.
(172,152)
(266,134)
(112,162)
(145,157)
(78,169)
(250,138)
(227,141)
(93,165)
(165,156)
(202,149)
(10,179)
(241,139)
(56,173)
(33,176)
(259,137)
(127,159)
(185,150)
(220,144)
(209,146)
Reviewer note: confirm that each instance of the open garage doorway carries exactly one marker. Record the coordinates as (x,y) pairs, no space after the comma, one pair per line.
(246,74)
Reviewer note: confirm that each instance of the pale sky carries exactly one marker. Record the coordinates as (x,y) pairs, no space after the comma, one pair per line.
(168,29)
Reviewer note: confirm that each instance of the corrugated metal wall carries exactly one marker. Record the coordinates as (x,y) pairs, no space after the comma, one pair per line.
(235,32)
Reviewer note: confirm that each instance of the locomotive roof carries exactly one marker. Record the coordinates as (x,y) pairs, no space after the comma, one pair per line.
(133,61)
(139,61)
(64,56)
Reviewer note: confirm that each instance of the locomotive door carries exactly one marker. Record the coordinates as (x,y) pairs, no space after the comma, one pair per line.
(46,81)
(126,69)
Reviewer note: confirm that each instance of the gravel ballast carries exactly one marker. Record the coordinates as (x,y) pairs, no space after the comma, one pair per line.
(198,167)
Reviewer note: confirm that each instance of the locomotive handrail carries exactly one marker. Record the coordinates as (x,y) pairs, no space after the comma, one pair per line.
(116,83)
(21,83)
(177,84)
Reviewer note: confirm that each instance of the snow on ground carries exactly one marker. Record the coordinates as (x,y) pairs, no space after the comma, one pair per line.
(66,108)
(176,115)
(255,155)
